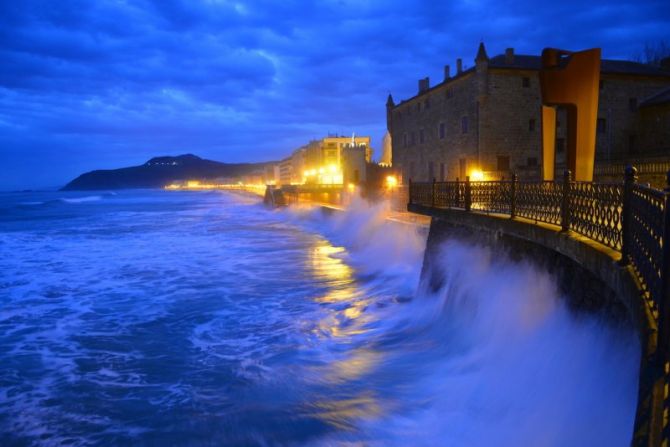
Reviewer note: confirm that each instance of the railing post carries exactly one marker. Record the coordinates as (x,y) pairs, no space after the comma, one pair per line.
(512,205)
(565,203)
(457,195)
(468,195)
(630,178)
(409,192)
(432,199)
(664,301)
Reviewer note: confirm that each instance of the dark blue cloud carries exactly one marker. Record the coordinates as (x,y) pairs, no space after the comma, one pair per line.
(109,83)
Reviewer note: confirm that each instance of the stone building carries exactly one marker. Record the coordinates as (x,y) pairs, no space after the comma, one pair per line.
(486,120)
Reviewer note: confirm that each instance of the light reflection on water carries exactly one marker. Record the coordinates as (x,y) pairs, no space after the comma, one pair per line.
(203,318)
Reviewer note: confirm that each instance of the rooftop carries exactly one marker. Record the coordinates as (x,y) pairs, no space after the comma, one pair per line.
(608,66)
(529,62)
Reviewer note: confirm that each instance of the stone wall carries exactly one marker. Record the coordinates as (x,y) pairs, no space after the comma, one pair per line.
(447,104)
(622,134)
(587,274)
(511,122)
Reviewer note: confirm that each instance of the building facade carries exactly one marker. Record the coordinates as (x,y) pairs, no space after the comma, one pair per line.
(486,121)
(330,160)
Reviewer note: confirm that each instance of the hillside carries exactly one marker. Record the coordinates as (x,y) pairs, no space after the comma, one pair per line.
(160,171)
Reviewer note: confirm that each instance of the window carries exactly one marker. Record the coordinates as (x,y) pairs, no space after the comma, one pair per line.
(442,172)
(421,136)
(503,163)
(431,171)
(464,124)
(418,106)
(632,104)
(525,82)
(428,103)
(412,139)
(531,125)
(450,93)
(560,145)
(442,131)
(601,125)
(404,140)
(532,161)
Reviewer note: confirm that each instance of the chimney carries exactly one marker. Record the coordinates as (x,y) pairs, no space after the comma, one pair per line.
(459,66)
(447,70)
(424,84)
(509,56)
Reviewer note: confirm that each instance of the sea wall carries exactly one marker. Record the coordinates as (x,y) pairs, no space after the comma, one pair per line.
(588,274)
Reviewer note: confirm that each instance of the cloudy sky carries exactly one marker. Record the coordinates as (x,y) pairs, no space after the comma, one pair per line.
(110,83)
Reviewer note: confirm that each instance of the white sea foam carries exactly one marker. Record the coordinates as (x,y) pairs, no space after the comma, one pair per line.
(81,199)
(496,358)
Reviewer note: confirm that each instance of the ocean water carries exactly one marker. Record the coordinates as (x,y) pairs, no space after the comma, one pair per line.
(203,318)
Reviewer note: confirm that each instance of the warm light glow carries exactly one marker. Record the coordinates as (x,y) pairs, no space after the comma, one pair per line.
(324,175)
(476,175)
(391,181)
(351,186)
(196,185)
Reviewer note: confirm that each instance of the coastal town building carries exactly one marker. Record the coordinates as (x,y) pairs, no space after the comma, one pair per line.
(330,160)
(485,121)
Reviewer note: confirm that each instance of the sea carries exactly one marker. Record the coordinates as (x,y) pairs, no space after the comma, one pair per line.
(177,318)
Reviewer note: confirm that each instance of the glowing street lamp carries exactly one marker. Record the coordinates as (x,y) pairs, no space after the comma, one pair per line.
(477,175)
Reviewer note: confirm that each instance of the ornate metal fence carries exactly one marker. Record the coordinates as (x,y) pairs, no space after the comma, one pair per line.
(627,217)
(539,201)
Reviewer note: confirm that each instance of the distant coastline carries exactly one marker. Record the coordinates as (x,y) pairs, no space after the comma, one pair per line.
(160,171)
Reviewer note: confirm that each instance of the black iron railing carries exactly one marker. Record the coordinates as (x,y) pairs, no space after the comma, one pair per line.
(628,217)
